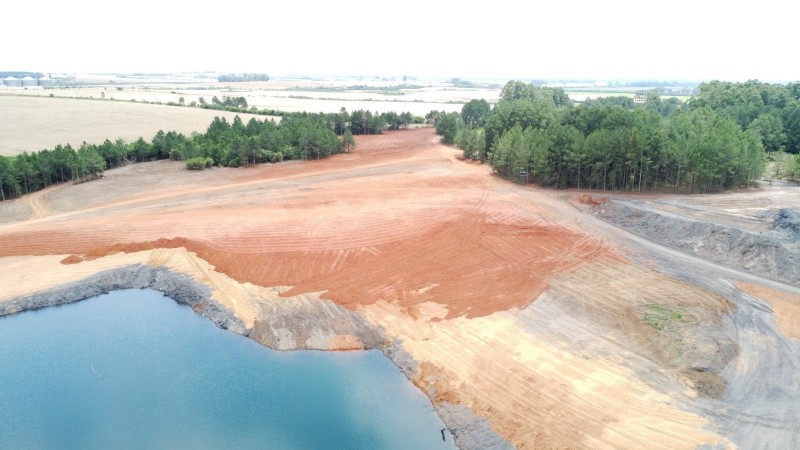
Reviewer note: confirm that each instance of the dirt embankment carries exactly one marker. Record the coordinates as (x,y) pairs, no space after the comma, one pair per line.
(773,253)
(178,286)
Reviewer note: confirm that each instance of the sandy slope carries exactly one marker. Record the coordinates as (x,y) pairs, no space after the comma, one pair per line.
(786,306)
(560,329)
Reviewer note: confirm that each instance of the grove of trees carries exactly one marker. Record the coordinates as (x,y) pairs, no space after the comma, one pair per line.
(230,144)
(718,140)
(771,110)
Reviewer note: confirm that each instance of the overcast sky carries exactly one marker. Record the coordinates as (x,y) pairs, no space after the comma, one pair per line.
(601,40)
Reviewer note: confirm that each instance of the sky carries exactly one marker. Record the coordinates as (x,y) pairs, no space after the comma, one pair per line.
(589,40)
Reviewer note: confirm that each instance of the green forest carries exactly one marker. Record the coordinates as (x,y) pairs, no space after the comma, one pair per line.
(235,144)
(720,139)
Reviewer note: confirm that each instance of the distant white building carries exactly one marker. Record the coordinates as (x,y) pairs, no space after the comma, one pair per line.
(11,81)
(29,82)
(45,81)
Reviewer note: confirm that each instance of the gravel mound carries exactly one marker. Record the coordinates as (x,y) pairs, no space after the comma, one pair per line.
(788,220)
(773,254)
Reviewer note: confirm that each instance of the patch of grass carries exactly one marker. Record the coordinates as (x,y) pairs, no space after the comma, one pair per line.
(661,317)
(676,328)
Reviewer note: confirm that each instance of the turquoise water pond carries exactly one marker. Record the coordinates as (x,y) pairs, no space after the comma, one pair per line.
(133,369)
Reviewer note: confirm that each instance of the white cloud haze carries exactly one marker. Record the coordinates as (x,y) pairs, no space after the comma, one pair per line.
(616,39)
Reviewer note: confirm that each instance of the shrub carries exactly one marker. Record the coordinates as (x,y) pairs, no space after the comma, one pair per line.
(199,163)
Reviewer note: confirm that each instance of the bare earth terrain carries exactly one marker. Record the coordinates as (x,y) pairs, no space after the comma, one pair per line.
(529,308)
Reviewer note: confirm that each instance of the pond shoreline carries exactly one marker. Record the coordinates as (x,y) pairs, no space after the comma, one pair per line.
(469,430)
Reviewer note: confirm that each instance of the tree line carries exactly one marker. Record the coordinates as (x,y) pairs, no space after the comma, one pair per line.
(241,77)
(232,103)
(538,135)
(230,144)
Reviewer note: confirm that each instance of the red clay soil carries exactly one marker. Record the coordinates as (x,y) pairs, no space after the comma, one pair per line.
(398,220)
(472,266)
(586,199)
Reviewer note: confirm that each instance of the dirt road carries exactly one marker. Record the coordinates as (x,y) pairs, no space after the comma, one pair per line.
(560,328)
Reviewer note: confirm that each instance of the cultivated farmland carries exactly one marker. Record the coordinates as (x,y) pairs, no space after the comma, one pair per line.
(30,123)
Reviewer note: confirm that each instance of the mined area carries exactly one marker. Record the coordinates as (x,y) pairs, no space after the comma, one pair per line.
(526,318)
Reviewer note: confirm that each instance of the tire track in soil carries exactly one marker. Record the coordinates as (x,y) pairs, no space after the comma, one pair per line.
(37,201)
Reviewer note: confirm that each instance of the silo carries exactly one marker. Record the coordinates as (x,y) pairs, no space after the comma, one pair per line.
(45,81)
(29,82)
(11,81)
